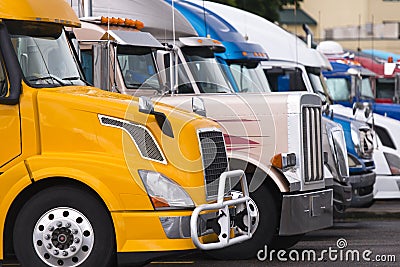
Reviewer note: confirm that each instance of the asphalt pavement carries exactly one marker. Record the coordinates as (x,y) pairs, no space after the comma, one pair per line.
(364,237)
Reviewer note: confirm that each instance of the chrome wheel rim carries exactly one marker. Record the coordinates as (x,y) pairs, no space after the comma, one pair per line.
(63,237)
(252,212)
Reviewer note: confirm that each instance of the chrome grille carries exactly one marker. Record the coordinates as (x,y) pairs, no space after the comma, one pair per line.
(215,161)
(141,136)
(312,146)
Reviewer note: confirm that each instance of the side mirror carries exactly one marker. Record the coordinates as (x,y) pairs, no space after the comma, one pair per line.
(365,106)
(198,106)
(146,106)
(163,59)
(388,68)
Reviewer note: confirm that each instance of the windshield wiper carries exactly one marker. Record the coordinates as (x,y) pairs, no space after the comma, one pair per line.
(136,85)
(49,76)
(72,78)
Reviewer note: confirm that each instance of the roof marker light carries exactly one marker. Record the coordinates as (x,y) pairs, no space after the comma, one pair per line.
(122,22)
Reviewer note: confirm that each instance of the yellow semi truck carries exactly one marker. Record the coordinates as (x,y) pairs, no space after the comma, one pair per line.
(95,178)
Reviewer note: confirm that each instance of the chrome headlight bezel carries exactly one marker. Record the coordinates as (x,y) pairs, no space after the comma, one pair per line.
(338,148)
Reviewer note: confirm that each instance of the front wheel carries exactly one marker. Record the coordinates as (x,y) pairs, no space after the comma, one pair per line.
(64,226)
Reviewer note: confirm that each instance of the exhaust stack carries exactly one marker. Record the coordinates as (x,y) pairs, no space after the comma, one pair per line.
(85,8)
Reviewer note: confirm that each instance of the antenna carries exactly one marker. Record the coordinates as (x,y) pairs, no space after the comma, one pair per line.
(359,32)
(295,29)
(372,39)
(205,21)
(174,86)
(173,22)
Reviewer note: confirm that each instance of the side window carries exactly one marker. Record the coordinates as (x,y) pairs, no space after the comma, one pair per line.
(3,78)
(87,64)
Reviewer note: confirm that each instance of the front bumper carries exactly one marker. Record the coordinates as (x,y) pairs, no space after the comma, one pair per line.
(342,194)
(387,187)
(225,237)
(153,232)
(306,212)
(362,185)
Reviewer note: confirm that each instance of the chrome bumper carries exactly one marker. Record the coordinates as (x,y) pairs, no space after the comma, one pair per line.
(305,212)
(224,221)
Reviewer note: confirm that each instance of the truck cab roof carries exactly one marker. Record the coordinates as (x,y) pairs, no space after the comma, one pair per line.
(38,10)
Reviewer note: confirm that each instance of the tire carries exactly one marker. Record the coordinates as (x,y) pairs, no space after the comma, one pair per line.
(284,242)
(64,226)
(339,211)
(268,223)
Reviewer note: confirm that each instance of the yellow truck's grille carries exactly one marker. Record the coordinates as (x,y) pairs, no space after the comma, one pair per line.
(215,162)
(312,146)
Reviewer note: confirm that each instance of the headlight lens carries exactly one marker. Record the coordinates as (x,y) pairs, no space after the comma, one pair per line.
(393,162)
(165,193)
(353,161)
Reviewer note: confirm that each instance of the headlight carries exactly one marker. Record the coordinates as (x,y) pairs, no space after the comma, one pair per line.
(337,144)
(393,162)
(165,193)
(353,161)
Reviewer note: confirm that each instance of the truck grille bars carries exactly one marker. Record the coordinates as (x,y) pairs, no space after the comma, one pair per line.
(312,147)
(215,162)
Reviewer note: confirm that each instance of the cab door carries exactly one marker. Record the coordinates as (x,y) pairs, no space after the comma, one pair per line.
(10,128)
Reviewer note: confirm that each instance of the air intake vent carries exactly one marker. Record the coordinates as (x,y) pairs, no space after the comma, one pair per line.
(312,147)
(141,136)
(215,162)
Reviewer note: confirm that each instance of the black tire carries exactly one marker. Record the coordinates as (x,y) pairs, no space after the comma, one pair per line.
(284,242)
(68,201)
(339,211)
(268,223)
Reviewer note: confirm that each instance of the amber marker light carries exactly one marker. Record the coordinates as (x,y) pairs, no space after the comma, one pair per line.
(284,160)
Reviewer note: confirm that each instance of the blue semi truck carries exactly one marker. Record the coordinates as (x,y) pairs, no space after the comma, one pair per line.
(350,83)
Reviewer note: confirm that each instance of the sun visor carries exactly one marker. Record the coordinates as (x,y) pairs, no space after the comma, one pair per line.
(215,45)
(133,38)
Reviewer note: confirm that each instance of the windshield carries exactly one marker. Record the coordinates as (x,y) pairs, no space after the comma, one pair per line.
(366,88)
(208,74)
(284,79)
(44,54)
(138,67)
(249,79)
(205,70)
(339,89)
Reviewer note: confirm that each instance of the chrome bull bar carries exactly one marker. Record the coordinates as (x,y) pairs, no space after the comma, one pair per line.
(224,218)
